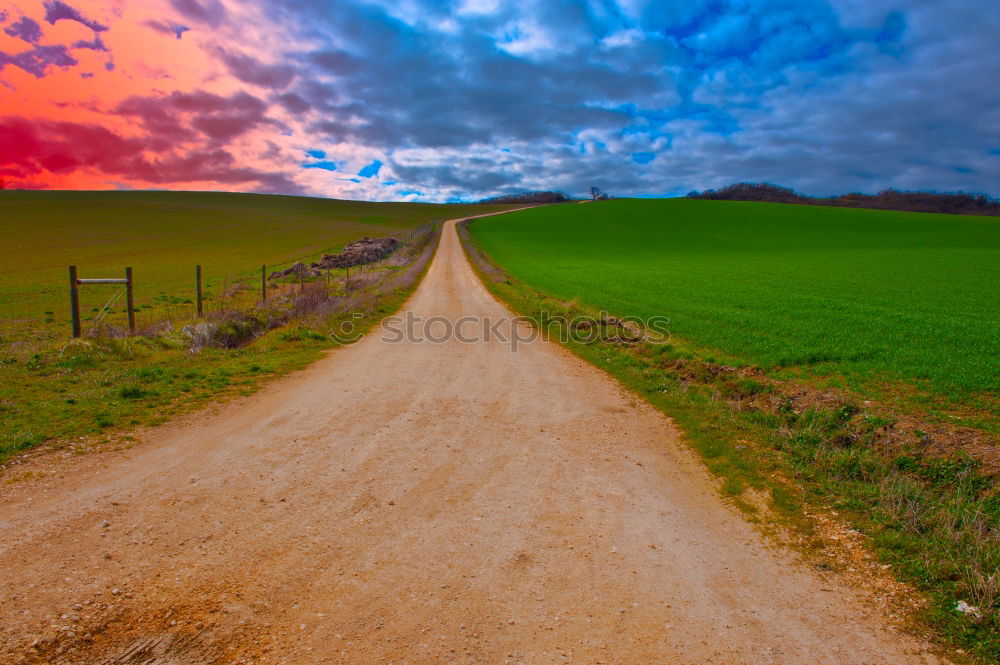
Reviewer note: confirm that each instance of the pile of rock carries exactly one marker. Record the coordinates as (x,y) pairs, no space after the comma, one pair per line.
(296,269)
(357,253)
(366,250)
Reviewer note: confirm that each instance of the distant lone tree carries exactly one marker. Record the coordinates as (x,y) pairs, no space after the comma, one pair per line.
(598,195)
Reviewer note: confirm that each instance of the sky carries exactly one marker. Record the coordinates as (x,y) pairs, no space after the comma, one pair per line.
(463,99)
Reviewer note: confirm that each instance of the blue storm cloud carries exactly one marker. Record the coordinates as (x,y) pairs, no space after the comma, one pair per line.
(648,97)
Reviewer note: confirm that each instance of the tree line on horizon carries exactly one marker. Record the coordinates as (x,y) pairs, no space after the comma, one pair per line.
(955,203)
(958,203)
(544,197)
(527,197)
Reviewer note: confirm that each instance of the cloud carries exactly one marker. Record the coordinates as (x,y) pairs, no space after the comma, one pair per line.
(39,59)
(94,45)
(293,103)
(250,70)
(183,116)
(335,62)
(441,175)
(393,84)
(464,99)
(56,10)
(30,147)
(211,12)
(26,29)
(167,28)
(647,98)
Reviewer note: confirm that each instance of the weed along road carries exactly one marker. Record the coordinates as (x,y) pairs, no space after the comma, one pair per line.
(414,502)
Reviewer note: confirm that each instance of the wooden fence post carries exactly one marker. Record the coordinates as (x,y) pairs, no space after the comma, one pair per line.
(263,283)
(129,300)
(197,279)
(74,301)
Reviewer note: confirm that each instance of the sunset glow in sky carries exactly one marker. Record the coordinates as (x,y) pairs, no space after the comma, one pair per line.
(461,99)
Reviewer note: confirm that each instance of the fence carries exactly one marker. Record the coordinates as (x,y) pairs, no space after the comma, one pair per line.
(239,291)
(74,297)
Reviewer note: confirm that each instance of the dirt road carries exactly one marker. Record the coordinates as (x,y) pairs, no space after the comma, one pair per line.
(414,503)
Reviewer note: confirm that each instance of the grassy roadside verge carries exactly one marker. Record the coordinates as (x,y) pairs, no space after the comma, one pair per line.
(91,391)
(795,454)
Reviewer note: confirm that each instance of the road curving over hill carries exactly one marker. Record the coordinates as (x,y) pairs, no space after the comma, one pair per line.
(414,503)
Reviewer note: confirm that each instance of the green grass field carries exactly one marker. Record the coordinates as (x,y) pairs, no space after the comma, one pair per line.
(163,235)
(55,391)
(863,294)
